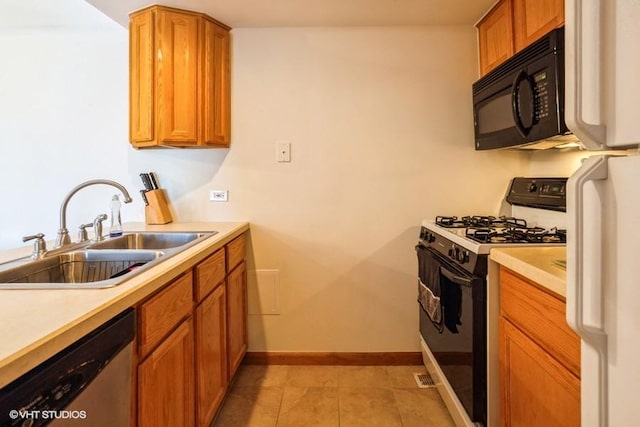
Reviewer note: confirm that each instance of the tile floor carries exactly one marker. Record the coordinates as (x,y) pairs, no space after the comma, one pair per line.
(344,396)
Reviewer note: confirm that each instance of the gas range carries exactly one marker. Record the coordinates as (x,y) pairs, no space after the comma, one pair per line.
(458,330)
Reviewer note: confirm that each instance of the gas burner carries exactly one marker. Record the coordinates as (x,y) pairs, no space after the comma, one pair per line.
(479,220)
(482,235)
(509,221)
(516,235)
(450,222)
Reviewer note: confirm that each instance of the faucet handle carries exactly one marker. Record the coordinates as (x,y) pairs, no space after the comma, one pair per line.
(39,246)
(82,232)
(97,227)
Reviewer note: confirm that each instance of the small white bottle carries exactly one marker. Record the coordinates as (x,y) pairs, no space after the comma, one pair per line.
(116,222)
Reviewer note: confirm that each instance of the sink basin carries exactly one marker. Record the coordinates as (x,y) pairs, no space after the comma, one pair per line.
(149,240)
(77,268)
(97,265)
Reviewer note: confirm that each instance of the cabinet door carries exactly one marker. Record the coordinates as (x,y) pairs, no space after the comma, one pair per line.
(535,390)
(163,312)
(211,355)
(141,78)
(165,382)
(177,77)
(495,36)
(216,98)
(236,317)
(532,19)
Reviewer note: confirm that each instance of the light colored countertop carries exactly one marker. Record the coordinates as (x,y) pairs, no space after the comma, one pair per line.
(36,324)
(538,264)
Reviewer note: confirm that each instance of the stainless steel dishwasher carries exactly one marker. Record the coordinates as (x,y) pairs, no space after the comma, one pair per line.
(86,384)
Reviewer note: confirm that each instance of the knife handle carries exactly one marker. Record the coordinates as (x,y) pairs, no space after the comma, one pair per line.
(146,181)
(143,193)
(154,180)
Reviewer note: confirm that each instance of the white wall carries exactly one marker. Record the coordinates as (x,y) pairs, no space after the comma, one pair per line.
(63,115)
(381,130)
(380,123)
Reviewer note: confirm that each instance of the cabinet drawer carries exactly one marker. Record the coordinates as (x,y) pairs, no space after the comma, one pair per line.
(235,252)
(541,316)
(162,313)
(209,273)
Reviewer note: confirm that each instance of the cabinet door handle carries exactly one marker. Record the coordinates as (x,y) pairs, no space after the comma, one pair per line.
(583,38)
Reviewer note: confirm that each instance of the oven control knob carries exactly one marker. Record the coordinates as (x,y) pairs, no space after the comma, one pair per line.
(430,237)
(462,256)
(533,187)
(458,254)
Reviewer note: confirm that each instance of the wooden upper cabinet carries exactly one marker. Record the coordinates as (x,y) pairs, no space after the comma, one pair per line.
(495,36)
(179,79)
(511,25)
(533,19)
(215,95)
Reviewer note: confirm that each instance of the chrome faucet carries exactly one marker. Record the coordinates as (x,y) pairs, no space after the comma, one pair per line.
(97,227)
(39,245)
(63,234)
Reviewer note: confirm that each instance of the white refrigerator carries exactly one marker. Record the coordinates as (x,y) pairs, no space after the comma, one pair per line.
(602,89)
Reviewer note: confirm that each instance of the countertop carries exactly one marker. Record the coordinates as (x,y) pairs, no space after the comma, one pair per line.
(538,264)
(36,324)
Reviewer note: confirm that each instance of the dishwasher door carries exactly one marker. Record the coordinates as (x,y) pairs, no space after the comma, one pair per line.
(87,383)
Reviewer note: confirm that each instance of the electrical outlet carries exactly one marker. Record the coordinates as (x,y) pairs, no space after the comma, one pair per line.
(283,152)
(218,195)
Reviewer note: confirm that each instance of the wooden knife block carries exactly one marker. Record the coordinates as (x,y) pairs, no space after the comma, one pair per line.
(157,211)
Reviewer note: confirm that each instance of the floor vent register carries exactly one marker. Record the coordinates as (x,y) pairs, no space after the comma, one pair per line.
(423,380)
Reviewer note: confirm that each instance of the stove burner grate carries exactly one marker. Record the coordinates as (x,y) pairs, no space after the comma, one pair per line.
(516,235)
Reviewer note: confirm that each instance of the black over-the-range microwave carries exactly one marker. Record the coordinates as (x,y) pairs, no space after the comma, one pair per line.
(522,101)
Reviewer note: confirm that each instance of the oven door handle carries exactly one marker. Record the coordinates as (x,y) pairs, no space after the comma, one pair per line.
(455,278)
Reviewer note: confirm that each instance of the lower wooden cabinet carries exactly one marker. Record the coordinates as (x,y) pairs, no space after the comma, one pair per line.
(192,339)
(211,355)
(537,389)
(236,316)
(539,358)
(165,382)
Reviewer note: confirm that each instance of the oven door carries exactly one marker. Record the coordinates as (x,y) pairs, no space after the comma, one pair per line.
(460,352)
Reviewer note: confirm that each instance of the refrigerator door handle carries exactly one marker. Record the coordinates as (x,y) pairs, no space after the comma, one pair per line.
(583,38)
(584,288)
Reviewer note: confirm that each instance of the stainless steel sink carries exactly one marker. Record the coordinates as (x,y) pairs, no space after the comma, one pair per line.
(97,265)
(149,240)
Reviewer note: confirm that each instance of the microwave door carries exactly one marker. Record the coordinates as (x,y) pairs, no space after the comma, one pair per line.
(494,123)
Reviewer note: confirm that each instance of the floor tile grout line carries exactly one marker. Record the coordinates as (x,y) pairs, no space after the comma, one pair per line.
(284,388)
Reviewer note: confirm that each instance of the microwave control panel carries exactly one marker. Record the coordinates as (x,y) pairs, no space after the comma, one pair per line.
(540,95)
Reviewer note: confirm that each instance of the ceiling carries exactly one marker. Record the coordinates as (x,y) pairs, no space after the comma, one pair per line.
(304,13)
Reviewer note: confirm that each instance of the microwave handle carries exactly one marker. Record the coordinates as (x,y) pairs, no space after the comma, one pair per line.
(582,70)
(520,98)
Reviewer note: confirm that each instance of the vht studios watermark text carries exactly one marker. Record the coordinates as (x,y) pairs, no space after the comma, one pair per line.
(47,415)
